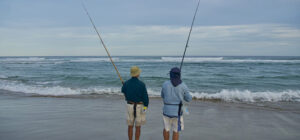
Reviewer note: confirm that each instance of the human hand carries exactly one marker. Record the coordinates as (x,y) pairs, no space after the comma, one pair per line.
(145,109)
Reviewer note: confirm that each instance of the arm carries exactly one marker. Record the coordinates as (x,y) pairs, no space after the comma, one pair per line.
(162,95)
(145,97)
(187,96)
(123,88)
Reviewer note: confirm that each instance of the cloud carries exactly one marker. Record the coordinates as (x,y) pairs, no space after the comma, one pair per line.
(253,39)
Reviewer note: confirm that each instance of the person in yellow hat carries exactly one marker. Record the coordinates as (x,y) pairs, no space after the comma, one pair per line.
(137,102)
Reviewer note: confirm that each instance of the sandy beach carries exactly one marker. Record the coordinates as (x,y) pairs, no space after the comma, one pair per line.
(103,117)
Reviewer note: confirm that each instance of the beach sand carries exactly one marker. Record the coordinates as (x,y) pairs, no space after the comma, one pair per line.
(103,118)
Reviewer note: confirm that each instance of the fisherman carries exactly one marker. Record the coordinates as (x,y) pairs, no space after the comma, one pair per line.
(137,102)
(174,92)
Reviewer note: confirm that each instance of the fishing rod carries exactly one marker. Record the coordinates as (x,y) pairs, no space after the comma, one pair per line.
(102,42)
(188,39)
(181,105)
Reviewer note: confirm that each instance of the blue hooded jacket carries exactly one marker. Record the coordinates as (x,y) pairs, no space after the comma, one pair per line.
(172,96)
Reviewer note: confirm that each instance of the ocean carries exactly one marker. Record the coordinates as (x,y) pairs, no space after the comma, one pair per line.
(224,78)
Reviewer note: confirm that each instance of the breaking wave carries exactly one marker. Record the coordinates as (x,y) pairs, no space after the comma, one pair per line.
(54,90)
(225,60)
(191,59)
(23,59)
(248,96)
(224,95)
(3,77)
(139,59)
(93,60)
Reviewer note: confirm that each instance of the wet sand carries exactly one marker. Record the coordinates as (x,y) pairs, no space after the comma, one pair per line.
(103,118)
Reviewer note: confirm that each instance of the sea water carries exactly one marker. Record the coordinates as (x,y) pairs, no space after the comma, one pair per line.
(226,78)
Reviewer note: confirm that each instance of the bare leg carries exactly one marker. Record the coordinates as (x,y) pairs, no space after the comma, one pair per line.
(175,135)
(130,132)
(166,135)
(137,132)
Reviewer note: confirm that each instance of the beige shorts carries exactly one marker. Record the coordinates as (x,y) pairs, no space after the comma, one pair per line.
(140,118)
(172,123)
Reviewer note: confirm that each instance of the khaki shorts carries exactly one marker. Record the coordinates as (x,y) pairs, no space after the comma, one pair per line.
(172,123)
(140,118)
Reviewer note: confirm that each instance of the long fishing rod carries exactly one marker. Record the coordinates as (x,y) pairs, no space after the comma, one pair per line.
(102,42)
(188,39)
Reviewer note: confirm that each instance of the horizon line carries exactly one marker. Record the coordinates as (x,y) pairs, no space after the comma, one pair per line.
(150,55)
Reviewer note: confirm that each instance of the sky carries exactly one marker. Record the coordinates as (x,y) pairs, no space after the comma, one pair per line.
(150,27)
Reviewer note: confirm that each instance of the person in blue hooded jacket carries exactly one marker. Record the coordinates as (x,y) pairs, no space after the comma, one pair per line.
(174,93)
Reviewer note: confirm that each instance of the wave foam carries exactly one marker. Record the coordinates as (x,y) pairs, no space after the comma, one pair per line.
(161,59)
(191,59)
(224,95)
(261,61)
(23,59)
(93,60)
(3,77)
(222,60)
(41,90)
(248,96)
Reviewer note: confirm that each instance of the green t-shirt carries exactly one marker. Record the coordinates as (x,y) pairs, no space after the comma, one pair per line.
(135,91)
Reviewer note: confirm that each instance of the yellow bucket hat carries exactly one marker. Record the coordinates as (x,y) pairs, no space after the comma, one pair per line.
(135,71)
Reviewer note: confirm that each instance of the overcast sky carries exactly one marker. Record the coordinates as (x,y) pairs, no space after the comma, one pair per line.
(150,27)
